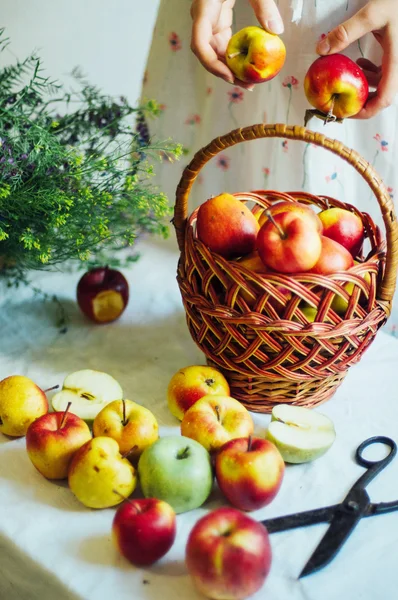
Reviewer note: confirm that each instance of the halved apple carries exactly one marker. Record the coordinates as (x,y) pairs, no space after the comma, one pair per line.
(300,434)
(88,391)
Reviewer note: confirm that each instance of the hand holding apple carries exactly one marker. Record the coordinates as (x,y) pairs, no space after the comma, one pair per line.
(214,420)
(228,555)
(254,55)
(192,383)
(144,530)
(133,426)
(103,294)
(336,86)
(249,472)
(21,403)
(53,439)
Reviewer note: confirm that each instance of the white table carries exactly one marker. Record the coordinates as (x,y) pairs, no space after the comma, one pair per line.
(51,547)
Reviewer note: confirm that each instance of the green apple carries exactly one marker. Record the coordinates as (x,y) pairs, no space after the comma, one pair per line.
(300,434)
(177,470)
(88,391)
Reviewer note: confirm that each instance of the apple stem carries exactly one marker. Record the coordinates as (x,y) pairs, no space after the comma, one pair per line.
(235,54)
(54,387)
(217,409)
(330,116)
(249,443)
(127,454)
(124,498)
(64,415)
(124,413)
(279,228)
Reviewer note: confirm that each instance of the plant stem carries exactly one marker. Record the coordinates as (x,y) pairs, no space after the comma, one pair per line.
(249,443)
(124,412)
(64,415)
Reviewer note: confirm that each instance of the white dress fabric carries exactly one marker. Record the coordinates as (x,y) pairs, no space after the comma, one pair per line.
(196,107)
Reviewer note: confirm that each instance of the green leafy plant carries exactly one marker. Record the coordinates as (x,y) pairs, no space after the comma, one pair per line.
(75,172)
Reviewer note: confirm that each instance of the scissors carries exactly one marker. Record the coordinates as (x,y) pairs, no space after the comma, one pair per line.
(344,517)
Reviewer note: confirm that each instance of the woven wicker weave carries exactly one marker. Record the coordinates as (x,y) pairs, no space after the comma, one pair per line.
(253,332)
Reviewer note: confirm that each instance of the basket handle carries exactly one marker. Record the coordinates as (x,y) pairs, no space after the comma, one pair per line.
(295,132)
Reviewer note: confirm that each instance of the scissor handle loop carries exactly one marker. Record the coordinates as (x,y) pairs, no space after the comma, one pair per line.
(383,462)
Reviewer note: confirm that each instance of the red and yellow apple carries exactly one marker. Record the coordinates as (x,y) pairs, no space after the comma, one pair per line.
(253,262)
(344,227)
(254,55)
(133,426)
(296,207)
(226,226)
(103,294)
(228,555)
(52,441)
(249,472)
(214,420)
(144,530)
(334,257)
(336,85)
(21,403)
(289,243)
(192,383)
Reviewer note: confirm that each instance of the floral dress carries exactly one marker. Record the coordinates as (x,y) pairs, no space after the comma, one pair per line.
(196,107)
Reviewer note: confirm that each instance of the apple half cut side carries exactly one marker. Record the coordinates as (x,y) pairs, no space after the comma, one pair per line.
(300,434)
(88,391)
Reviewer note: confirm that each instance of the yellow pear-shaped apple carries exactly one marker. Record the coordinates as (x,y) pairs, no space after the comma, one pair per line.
(99,476)
(21,403)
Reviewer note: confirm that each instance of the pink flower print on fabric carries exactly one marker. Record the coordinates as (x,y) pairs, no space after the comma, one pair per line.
(223,162)
(290,82)
(285,146)
(174,42)
(236,95)
(383,144)
(193,120)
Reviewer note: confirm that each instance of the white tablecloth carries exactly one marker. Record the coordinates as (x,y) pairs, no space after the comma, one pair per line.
(51,547)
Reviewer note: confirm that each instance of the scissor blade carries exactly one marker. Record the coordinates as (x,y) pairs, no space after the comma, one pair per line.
(301,519)
(341,526)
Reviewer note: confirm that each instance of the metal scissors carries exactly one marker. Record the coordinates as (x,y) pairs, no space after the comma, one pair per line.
(344,517)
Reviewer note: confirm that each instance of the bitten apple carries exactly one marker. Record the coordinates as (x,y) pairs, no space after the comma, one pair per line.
(249,472)
(52,441)
(214,420)
(344,227)
(99,476)
(335,85)
(21,403)
(334,257)
(228,555)
(133,426)
(227,226)
(296,207)
(103,294)
(192,383)
(289,243)
(144,530)
(300,434)
(254,55)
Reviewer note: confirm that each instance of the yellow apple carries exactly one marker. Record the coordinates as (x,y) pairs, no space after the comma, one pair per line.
(99,476)
(339,304)
(192,383)
(214,420)
(21,403)
(133,426)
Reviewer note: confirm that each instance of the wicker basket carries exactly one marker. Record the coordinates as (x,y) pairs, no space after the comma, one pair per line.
(259,337)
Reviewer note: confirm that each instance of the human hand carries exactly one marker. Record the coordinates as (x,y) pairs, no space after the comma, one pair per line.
(381,18)
(212,29)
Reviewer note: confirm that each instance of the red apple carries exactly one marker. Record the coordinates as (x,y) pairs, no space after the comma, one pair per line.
(213,420)
(227,226)
(334,257)
(52,441)
(228,555)
(144,530)
(254,55)
(289,243)
(103,294)
(190,384)
(335,85)
(344,227)
(296,207)
(249,472)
